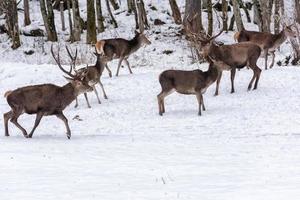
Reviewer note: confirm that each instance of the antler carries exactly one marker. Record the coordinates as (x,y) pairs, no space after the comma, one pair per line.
(73,58)
(57,60)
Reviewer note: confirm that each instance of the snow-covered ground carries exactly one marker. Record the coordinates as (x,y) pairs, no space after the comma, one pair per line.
(245,146)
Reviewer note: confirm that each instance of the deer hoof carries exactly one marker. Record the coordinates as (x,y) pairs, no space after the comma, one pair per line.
(69,137)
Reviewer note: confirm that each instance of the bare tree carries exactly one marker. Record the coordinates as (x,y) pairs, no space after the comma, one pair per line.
(100,18)
(209,17)
(276,16)
(114,4)
(9,8)
(91,36)
(70,21)
(76,21)
(193,11)
(257,14)
(297,11)
(224,14)
(266,15)
(62,16)
(114,22)
(26,13)
(175,12)
(48,18)
(237,15)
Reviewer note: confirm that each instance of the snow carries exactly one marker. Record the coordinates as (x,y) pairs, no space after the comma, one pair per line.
(244,146)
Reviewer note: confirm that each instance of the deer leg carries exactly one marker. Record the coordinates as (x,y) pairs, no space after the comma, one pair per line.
(38,118)
(109,72)
(273,59)
(104,94)
(14,120)
(76,104)
(266,58)
(218,83)
(6,117)
(232,75)
(65,120)
(199,99)
(94,88)
(202,102)
(161,102)
(119,65)
(87,100)
(127,63)
(258,72)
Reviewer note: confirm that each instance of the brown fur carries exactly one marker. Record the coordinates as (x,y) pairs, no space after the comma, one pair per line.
(186,82)
(268,42)
(119,48)
(7,93)
(230,57)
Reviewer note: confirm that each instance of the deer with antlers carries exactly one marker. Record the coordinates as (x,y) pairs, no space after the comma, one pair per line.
(230,57)
(119,48)
(268,42)
(44,100)
(91,74)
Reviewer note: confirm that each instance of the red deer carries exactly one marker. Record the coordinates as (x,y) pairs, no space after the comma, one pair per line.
(186,82)
(230,57)
(268,42)
(92,75)
(121,49)
(44,100)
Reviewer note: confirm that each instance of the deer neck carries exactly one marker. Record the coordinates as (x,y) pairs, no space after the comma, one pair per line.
(279,39)
(100,65)
(212,73)
(68,94)
(135,44)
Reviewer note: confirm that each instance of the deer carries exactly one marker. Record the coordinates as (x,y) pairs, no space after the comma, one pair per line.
(231,57)
(193,82)
(119,48)
(91,74)
(268,42)
(44,100)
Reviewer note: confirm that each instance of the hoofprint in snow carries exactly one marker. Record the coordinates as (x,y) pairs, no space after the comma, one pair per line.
(245,146)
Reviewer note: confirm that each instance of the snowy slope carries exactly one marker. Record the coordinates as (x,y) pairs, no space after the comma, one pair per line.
(245,146)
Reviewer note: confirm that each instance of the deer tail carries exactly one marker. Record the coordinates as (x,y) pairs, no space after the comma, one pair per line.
(7,93)
(236,36)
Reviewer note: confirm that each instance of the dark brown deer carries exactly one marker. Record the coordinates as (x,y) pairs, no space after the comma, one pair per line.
(230,57)
(268,42)
(121,49)
(44,100)
(186,82)
(92,75)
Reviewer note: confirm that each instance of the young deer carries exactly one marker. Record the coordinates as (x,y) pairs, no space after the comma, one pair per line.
(268,42)
(121,49)
(230,57)
(91,75)
(186,82)
(44,100)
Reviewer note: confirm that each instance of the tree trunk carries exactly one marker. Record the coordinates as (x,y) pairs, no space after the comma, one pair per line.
(100,18)
(297,11)
(193,16)
(276,17)
(140,16)
(257,14)
(114,22)
(175,12)
(265,15)
(224,15)
(245,10)
(76,20)
(26,13)
(130,6)
(62,15)
(237,15)
(70,21)
(48,18)
(10,9)
(91,36)
(210,18)
(144,14)
(114,4)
